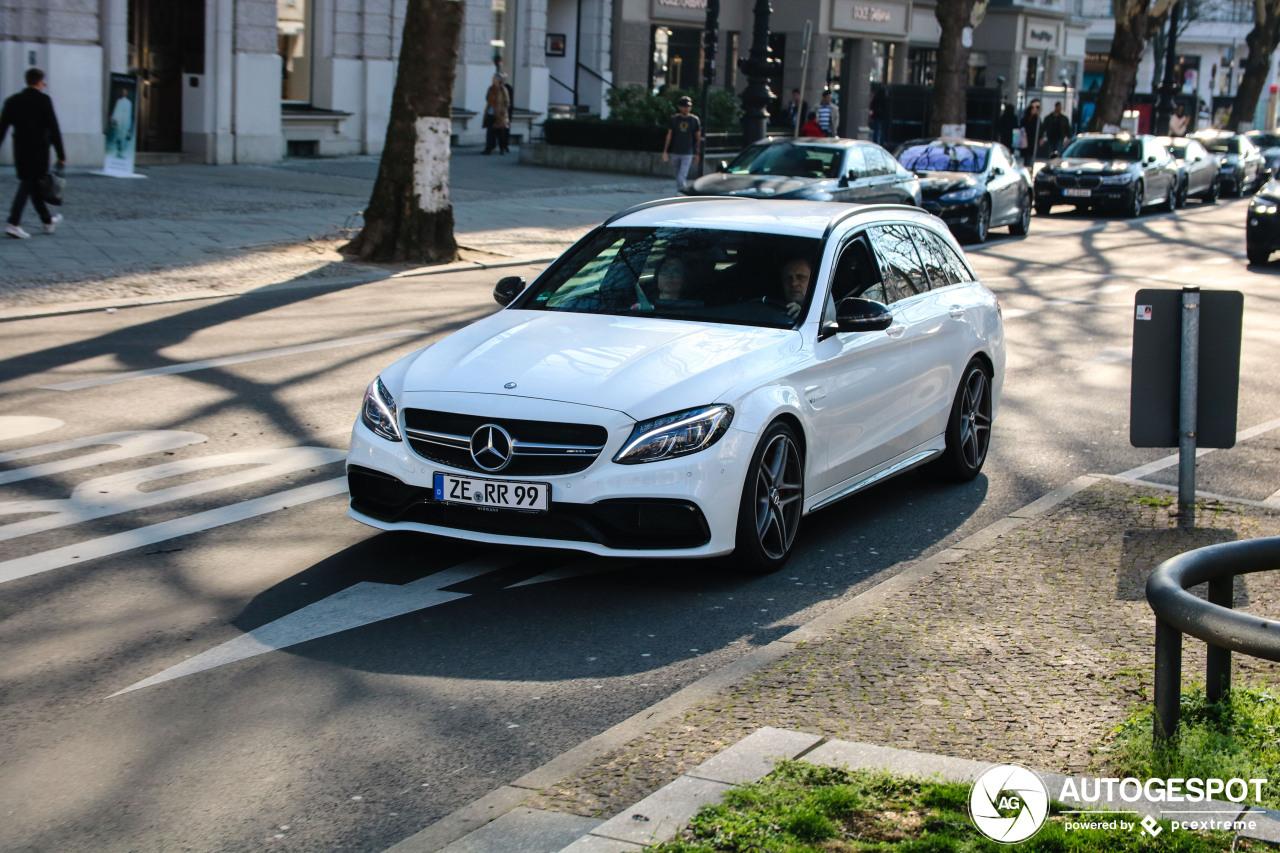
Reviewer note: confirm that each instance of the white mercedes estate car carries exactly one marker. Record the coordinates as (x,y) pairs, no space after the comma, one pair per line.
(689,380)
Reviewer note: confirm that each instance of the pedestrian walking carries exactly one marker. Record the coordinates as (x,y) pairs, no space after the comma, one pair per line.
(35,129)
(1057,129)
(797,110)
(828,114)
(1031,133)
(684,131)
(1178,122)
(878,115)
(1006,124)
(497,116)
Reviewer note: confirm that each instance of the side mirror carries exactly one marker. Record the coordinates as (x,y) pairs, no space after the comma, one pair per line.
(507,289)
(848,178)
(1151,159)
(723,167)
(996,171)
(855,314)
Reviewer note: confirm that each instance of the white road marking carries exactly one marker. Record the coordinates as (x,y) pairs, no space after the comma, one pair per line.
(119,493)
(21,426)
(69,555)
(190,366)
(124,445)
(1169,461)
(354,607)
(573,570)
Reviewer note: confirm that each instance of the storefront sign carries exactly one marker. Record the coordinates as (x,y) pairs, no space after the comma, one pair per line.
(1040,35)
(681,10)
(122,127)
(869,16)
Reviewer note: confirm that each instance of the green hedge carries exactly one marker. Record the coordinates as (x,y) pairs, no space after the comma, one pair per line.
(593,133)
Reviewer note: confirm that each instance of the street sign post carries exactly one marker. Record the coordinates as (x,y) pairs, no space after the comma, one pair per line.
(1185,381)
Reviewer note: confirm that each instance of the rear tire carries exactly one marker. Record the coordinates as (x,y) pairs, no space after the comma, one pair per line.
(772,502)
(1211,194)
(969,426)
(1023,224)
(1180,197)
(1135,204)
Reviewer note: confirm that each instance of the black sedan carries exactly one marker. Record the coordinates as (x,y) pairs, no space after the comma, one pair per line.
(972,186)
(1268,142)
(1243,167)
(1262,229)
(1104,170)
(1197,169)
(818,170)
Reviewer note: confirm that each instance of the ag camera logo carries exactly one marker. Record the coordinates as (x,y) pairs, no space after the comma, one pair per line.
(1008,803)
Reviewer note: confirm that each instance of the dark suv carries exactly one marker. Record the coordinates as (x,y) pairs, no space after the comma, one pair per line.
(1115,171)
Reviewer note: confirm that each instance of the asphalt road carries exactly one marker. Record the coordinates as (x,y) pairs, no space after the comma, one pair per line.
(203,653)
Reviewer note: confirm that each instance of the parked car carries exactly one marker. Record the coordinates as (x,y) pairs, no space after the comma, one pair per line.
(1103,170)
(1197,169)
(1268,143)
(607,411)
(820,169)
(972,186)
(1262,226)
(1242,167)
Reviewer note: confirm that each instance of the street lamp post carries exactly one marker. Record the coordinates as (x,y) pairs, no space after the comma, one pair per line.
(710,46)
(1164,109)
(757,65)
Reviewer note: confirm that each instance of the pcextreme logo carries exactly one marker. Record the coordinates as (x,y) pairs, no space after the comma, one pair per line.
(1008,803)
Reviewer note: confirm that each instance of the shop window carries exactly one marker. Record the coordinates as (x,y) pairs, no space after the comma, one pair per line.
(293,21)
(676,58)
(921,63)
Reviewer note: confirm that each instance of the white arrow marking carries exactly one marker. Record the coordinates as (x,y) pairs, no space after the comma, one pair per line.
(573,570)
(356,606)
(119,493)
(21,426)
(122,445)
(190,366)
(71,554)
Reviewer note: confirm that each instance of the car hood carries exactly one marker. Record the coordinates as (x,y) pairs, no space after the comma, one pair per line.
(934,184)
(757,186)
(641,366)
(1092,167)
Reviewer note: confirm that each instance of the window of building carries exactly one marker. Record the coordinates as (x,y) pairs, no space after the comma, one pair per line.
(293,21)
(921,65)
(676,58)
(977,69)
(498,42)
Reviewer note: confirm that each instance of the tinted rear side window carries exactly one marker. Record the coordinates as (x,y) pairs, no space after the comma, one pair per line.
(900,266)
(940,261)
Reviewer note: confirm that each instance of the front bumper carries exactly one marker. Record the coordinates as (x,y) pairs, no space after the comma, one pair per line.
(1262,231)
(682,507)
(957,214)
(1119,195)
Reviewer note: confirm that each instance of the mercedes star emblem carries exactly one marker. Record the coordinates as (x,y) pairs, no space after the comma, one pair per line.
(491,447)
(509,385)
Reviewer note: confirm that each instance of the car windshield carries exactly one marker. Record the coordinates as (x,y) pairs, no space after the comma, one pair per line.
(1105,148)
(1265,140)
(945,157)
(800,161)
(1223,146)
(701,274)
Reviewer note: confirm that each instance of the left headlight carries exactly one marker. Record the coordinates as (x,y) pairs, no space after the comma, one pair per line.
(677,434)
(966,194)
(379,411)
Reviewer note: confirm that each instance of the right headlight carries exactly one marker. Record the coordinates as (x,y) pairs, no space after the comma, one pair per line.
(379,411)
(1124,178)
(677,434)
(1263,206)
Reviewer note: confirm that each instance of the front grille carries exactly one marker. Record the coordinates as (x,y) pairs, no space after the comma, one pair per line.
(539,448)
(1086,181)
(631,523)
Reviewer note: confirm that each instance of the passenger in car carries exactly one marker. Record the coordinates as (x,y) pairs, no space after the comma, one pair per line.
(672,278)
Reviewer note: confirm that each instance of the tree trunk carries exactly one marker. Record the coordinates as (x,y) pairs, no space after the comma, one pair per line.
(409,216)
(1262,41)
(1122,64)
(952,78)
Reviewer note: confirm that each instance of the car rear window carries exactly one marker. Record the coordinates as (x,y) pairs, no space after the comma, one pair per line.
(700,274)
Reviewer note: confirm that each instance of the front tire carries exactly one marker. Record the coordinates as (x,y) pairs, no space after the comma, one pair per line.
(1180,197)
(969,427)
(1211,194)
(1258,254)
(772,502)
(982,225)
(1135,204)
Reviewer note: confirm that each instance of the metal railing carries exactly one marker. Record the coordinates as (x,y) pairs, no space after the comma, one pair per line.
(1214,621)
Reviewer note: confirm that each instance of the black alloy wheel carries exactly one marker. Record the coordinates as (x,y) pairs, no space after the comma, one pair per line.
(982,223)
(772,502)
(1170,200)
(1211,195)
(1022,224)
(1180,197)
(969,427)
(1135,202)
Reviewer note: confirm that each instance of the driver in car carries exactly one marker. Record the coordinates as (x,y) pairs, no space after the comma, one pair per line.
(795,284)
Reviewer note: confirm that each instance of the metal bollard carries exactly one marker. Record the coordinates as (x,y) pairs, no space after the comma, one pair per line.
(1217,672)
(1168,686)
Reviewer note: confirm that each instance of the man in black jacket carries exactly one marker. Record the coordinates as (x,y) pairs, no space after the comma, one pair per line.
(35,128)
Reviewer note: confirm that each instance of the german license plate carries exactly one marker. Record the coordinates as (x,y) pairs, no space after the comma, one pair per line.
(503,494)
(1071,192)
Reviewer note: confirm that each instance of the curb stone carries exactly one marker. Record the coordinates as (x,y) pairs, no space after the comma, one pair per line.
(458,825)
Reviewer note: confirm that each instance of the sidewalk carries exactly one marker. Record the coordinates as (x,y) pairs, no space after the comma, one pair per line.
(226,229)
(1028,642)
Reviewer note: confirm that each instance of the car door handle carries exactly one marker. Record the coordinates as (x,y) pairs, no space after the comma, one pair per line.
(896,330)
(956,312)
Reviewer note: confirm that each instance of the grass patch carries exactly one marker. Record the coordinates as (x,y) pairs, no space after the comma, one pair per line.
(1159,503)
(1238,738)
(808,808)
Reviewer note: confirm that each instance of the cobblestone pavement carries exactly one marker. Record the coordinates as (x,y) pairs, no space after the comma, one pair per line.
(1031,651)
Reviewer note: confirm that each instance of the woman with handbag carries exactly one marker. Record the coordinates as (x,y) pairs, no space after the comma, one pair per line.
(497,116)
(35,129)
